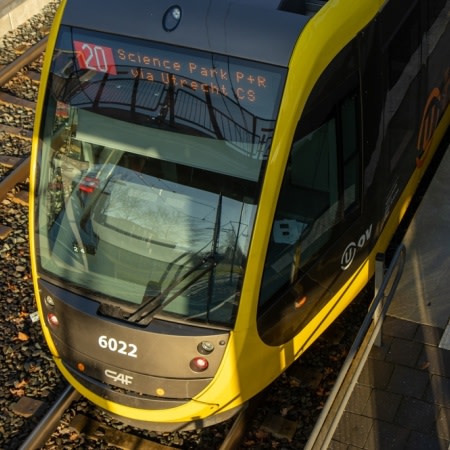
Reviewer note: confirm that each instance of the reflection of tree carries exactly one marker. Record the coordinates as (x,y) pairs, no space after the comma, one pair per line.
(232,251)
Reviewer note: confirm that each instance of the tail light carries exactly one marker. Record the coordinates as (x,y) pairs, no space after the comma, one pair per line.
(199,364)
(52,319)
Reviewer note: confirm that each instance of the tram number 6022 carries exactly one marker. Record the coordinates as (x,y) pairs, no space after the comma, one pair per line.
(114,345)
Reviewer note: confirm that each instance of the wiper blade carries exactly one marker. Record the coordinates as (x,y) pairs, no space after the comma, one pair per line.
(151,304)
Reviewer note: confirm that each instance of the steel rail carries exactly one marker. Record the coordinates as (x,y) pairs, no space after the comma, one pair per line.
(10,70)
(50,421)
(16,176)
(20,172)
(235,436)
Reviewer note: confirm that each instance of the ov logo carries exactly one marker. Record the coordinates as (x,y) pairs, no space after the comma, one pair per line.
(348,256)
(350,251)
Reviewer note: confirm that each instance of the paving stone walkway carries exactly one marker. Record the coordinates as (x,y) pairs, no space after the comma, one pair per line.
(402,398)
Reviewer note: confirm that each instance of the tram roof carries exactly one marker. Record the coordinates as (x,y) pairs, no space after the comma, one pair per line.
(260,30)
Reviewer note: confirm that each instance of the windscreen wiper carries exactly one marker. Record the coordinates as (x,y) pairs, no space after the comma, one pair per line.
(151,304)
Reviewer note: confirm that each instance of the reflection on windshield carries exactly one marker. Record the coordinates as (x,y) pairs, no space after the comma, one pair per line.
(129,227)
(151,165)
(185,91)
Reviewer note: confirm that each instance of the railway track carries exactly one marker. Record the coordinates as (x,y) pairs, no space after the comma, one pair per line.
(94,430)
(18,167)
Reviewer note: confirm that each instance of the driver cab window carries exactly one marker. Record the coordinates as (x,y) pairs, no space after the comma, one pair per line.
(320,191)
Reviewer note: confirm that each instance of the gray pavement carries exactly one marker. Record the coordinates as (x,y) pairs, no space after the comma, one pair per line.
(402,398)
(424,291)
(14,13)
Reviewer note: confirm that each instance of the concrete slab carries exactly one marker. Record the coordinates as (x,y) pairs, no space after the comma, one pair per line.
(423,294)
(279,427)
(402,398)
(27,407)
(14,13)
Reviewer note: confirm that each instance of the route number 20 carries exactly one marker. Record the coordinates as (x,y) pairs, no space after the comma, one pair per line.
(113,345)
(95,57)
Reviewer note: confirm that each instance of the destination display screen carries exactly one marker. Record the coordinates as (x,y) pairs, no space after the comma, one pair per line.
(252,85)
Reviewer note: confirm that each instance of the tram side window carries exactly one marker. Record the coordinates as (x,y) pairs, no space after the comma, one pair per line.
(403,45)
(320,190)
(402,107)
(434,8)
(350,155)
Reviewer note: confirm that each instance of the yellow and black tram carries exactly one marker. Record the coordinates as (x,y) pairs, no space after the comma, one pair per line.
(211,181)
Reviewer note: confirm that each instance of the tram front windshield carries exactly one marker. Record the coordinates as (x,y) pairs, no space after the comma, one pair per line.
(150,165)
